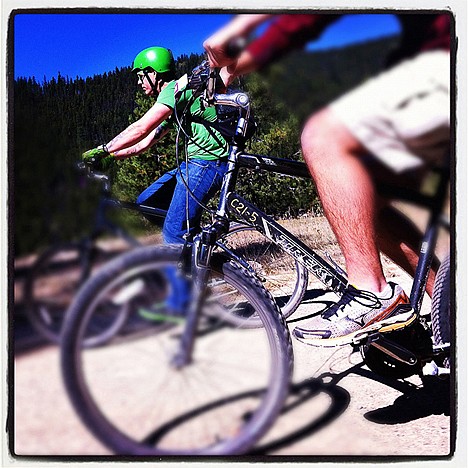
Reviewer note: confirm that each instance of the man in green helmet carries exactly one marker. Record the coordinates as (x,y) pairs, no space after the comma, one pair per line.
(207,154)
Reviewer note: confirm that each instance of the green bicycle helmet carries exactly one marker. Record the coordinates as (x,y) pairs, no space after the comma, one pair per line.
(158,59)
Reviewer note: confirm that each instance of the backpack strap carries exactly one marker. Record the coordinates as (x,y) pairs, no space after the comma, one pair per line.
(209,127)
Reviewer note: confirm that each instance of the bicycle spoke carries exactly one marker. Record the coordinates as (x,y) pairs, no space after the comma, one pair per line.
(132,389)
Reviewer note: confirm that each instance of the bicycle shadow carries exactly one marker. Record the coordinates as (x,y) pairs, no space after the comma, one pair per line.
(316,298)
(300,394)
(414,403)
(431,399)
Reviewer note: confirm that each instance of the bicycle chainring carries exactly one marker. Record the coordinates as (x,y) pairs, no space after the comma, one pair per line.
(415,338)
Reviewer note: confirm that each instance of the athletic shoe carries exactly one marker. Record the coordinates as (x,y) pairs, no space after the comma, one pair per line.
(161,313)
(355,315)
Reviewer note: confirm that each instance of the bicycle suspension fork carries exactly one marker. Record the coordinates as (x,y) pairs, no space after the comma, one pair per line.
(199,274)
(201,251)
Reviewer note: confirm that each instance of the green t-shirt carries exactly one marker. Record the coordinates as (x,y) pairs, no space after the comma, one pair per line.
(204,143)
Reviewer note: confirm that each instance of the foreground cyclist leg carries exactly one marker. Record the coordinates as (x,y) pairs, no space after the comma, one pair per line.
(371,299)
(334,143)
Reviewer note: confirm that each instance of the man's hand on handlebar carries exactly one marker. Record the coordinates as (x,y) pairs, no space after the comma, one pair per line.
(98,158)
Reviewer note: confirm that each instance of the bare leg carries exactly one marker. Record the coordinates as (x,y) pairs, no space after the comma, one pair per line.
(348,197)
(347,194)
(399,239)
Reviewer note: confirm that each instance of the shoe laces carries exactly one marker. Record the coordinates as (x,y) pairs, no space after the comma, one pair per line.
(351,294)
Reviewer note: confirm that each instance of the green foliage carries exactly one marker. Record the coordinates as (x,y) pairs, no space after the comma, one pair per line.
(54,122)
(279,196)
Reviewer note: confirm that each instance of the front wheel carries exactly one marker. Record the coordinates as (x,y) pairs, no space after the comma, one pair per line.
(134,396)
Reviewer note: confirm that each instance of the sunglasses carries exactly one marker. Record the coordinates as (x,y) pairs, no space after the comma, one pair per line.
(141,74)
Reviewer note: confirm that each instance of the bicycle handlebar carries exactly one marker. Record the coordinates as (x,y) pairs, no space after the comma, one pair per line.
(98,176)
(203,82)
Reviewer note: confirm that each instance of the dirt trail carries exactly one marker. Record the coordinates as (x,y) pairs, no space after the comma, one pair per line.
(337,407)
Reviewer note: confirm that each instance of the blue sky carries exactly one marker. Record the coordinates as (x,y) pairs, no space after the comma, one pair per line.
(77,44)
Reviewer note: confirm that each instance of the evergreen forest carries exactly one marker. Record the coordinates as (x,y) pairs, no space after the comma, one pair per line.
(52,122)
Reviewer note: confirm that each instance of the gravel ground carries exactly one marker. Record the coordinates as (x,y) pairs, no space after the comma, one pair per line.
(337,407)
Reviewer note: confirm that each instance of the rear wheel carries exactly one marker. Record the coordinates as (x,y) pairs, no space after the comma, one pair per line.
(137,398)
(440,310)
(284,277)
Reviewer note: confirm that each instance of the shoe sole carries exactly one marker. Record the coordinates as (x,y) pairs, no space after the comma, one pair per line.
(387,325)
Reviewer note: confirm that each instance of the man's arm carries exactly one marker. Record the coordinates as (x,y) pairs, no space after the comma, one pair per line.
(153,137)
(241,26)
(140,129)
(285,33)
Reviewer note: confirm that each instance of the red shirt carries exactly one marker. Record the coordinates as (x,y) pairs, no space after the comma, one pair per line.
(419,32)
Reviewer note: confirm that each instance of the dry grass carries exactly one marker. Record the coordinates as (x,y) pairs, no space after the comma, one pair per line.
(314,232)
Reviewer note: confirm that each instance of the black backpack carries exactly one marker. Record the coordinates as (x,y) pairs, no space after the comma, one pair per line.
(226,123)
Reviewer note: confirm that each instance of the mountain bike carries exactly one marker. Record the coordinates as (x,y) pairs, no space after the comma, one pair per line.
(58,272)
(213,382)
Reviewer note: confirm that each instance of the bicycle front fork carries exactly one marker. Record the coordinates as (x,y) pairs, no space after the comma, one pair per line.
(196,263)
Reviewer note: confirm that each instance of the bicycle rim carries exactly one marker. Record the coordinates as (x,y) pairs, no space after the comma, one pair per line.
(284,277)
(135,401)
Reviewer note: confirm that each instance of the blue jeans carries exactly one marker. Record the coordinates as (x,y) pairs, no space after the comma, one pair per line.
(204,179)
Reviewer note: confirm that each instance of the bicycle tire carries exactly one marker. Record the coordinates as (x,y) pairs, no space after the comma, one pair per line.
(283,276)
(441,305)
(122,403)
(50,286)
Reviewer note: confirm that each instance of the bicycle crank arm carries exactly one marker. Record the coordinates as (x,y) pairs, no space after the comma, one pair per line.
(392,349)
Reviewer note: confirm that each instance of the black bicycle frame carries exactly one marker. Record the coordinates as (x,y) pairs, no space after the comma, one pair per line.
(332,277)
(230,202)
(327,274)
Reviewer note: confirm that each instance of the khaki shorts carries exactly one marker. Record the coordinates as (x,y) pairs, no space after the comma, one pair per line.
(403,115)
